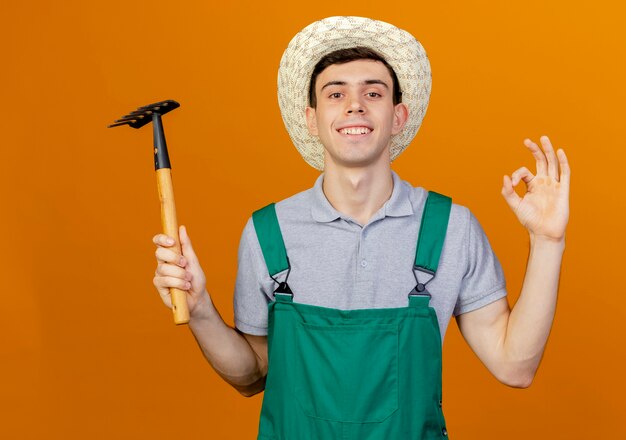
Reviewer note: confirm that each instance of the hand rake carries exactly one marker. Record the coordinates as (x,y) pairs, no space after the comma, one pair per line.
(137,119)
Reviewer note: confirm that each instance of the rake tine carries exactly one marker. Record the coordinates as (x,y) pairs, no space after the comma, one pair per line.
(136,114)
(117,124)
(161,103)
(130,118)
(154,106)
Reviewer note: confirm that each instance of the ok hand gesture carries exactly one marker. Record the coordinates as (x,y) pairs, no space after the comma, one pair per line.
(544,209)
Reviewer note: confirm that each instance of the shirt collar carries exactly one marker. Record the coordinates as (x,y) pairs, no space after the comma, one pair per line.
(398,205)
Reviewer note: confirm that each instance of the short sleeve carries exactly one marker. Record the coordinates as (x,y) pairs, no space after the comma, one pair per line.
(483,281)
(253,285)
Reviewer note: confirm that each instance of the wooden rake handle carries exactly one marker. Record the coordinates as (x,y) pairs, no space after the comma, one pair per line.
(170,228)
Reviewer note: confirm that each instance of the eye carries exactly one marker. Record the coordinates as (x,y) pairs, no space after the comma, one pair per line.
(373,95)
(335,95)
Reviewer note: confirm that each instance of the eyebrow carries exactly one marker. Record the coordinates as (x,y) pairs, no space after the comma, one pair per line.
(366,82)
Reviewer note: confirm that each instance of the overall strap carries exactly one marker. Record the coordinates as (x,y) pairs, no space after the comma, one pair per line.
(272,244)
(432,234)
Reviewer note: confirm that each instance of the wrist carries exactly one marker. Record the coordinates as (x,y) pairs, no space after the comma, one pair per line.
(544,241)
(204,309)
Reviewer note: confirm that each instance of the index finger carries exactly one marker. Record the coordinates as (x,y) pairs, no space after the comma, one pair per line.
(163,240)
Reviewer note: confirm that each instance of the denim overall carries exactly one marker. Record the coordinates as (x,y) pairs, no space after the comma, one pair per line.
(366,374)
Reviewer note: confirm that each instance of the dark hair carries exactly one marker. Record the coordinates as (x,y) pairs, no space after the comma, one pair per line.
(343,56)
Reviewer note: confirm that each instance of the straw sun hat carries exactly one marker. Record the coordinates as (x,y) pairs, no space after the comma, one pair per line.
(399,48)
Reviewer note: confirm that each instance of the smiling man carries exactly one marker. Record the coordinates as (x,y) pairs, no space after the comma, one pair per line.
(344,291)
(347,100)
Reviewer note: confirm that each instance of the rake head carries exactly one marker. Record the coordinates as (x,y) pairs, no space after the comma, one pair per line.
(152,113)
(144,115)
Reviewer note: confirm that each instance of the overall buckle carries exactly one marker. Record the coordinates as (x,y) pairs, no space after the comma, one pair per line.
(420,288)
(283,288)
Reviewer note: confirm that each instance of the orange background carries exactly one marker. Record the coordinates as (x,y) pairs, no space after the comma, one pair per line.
(87,349)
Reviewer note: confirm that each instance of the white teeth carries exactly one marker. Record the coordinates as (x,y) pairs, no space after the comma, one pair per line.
(355,130)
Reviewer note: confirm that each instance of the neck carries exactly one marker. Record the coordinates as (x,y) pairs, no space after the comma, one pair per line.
(358,192)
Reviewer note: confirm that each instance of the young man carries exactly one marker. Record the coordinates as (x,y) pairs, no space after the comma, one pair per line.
(352,283)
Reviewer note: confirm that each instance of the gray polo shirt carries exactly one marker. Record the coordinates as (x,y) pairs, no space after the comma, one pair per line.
(338,263)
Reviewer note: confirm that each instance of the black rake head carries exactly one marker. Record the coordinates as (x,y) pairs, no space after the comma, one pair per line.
(152,113)
(143,115)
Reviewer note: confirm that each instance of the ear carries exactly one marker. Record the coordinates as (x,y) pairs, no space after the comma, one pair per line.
(311,121)
(400,116)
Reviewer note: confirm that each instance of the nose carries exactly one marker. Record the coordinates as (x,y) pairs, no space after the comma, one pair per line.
(355,106)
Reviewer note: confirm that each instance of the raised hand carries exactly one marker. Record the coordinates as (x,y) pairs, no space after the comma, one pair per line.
(544,209)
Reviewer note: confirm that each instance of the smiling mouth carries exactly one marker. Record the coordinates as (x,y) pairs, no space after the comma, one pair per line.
(355,130)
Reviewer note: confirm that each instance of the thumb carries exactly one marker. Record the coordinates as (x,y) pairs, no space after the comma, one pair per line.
(185,244)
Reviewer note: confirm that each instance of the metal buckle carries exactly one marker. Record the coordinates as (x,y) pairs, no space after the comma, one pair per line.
(283,288)
(420,290)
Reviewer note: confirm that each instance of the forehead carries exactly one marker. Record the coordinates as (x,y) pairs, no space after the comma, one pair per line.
(354,72)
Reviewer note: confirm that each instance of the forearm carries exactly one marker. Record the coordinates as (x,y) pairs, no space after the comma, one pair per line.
(228,352)
(531,319)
